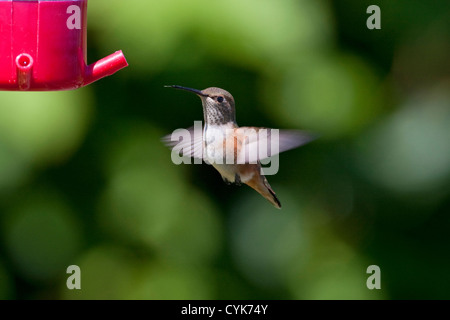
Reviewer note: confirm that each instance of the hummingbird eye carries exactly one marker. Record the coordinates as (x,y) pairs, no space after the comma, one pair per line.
(220,99)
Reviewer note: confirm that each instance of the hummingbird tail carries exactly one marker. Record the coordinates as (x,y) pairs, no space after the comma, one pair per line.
(261,185)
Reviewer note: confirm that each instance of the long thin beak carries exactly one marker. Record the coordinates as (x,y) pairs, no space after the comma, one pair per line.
(198,92)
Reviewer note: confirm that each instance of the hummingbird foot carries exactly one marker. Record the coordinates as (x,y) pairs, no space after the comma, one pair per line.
(228,182)
(237,179)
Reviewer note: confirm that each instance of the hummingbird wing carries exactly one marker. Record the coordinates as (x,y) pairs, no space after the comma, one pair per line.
(260,143)
(187,142)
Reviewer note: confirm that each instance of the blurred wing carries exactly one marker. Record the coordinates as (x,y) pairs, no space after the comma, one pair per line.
(261,143)
(186,142)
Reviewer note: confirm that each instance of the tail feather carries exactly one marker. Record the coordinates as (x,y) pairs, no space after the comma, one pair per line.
(261,185)
(275,201)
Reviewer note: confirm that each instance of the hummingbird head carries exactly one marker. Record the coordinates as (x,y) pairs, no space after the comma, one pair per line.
(218,104)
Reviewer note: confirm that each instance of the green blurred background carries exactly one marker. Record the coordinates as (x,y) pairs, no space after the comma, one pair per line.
(85,180)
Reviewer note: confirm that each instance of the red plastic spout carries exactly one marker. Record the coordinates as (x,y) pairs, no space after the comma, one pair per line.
(104,67)
(24,66)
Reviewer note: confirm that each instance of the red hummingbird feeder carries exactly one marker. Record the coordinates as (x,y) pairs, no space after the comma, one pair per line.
(43,46)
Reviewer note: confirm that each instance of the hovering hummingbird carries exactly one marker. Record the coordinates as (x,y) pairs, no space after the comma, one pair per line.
(221,139)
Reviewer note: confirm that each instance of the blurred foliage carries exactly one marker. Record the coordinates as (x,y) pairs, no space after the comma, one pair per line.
(85,180)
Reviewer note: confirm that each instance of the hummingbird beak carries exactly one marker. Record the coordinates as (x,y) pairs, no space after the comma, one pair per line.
(197,92)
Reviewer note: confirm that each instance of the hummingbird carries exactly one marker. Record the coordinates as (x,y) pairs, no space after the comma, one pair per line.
(221,139)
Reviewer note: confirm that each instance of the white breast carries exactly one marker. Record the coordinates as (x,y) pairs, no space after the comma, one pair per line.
(216,151)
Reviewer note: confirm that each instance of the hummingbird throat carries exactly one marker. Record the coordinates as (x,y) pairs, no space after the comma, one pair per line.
(216,114)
